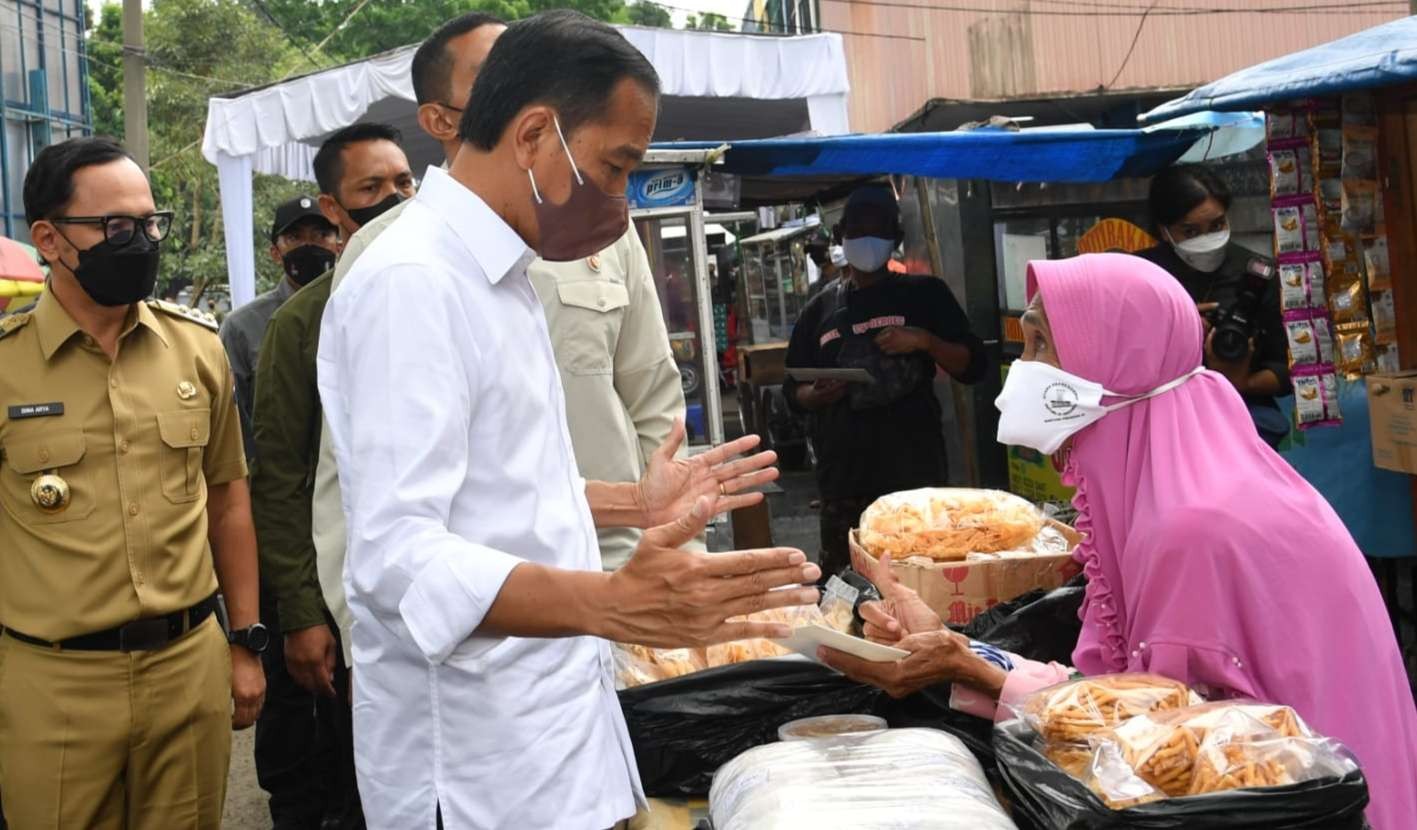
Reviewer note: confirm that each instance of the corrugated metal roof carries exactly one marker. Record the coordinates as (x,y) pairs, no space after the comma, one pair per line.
(1012,48)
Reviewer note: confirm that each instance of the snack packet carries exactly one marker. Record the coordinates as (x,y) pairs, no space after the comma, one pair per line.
(1331,200)
(1358,109)
(1308,400)
(1071,712)
(1328,152)
(1342,262)
(838,605)
(1347,303)
(1384,318)
(1291,169)
(640,665)
(1377,264)
(1296,226)
(1360,206)
(1301,285)
(1387,358)
(1323,338)
(1354,349)
(1360,152)
(1303,345)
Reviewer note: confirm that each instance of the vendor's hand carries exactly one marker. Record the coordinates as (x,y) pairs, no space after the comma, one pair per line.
(248,687)
(901,612)
(310,659)
(903,340)
(935,657)
(1236,371)
(671,485)
(671,598)
(821,393)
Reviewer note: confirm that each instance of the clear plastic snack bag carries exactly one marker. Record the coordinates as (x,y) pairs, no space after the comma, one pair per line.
(1070,713)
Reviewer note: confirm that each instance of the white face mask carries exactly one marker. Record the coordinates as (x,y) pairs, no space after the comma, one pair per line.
(1041,406)
(867,254)
(1205,253)
(838,256)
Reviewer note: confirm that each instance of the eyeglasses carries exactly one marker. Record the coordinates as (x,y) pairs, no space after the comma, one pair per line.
(119,230)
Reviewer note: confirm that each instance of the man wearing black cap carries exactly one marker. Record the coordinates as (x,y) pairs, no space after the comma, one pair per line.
(881,437)
(305,244)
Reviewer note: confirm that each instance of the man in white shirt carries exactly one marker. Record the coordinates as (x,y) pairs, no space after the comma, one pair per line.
(473,569)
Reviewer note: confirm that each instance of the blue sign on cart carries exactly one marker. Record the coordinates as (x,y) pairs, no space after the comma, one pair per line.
(663,188)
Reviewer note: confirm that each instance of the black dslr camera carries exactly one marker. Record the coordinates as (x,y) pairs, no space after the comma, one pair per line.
(1235,323)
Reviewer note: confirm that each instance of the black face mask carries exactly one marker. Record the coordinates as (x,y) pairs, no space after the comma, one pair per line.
(117,276)
(307,262)
(365,215)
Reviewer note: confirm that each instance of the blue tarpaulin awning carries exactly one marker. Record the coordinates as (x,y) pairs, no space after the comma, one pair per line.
(1046,155)
(1380,56)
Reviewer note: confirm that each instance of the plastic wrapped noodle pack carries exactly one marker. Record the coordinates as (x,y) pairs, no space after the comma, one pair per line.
(902,779)
(1207,749)
(948,524)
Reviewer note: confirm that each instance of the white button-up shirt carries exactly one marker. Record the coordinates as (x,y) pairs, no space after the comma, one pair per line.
(448,421)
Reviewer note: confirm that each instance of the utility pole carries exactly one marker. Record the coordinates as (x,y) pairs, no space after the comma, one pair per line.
(135,102)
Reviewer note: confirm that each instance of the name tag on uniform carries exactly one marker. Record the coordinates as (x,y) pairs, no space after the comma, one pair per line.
(35,410)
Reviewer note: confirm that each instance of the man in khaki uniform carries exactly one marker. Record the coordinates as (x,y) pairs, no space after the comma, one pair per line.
(122,483)
(622,386)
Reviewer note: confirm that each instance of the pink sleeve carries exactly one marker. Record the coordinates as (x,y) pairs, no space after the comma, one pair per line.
(1028,676)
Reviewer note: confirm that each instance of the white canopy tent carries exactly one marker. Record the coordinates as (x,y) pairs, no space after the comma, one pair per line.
(715,86)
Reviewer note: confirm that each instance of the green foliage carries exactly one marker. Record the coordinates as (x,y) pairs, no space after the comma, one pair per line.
(201,48)
(708,22)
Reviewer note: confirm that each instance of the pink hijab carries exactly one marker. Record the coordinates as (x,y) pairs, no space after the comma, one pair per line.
(1209,559)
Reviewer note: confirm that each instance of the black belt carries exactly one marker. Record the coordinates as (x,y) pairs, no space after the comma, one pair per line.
(148,634)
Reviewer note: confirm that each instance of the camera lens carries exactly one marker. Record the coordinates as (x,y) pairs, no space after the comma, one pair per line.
(1231,343)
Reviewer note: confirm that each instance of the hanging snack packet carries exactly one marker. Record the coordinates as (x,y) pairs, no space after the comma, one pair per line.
(1308,400)
(1328,152)
(1355,349)
(1279,125)
(1293,286)
(1328,382)
(1358,109)
(1331,200)
(1387,358)
(1283,173)
(1318,292)
(1323,338)
(1303,345)
(1296,226)
(1359,206)
(1360,152)
(1347,303)
(1384,318)
(1340,254)
(1377,263)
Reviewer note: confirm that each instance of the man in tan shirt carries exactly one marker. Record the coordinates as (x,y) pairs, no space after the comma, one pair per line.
(123,482)
(622,386)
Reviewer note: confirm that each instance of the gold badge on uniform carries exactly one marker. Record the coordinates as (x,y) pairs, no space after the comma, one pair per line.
(50,493)
(594,262)
(186,390)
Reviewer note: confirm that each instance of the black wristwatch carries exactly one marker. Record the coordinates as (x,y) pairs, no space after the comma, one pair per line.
(254,638)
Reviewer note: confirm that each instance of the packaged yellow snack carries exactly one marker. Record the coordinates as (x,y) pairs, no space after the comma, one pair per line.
(1071,712)
(1347,303)
(1354,349)
(1377,264)
(1384,318)
(1360,206)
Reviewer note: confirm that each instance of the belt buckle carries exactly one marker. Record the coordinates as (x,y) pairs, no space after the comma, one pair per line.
(144,635)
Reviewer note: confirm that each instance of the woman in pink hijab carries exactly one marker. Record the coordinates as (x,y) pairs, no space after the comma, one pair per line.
(1209,560)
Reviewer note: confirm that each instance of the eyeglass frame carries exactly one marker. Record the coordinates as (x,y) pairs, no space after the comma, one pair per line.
(138,221)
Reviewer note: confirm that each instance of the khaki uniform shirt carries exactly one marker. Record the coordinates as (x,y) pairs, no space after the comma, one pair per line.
(137,439)
(622,386)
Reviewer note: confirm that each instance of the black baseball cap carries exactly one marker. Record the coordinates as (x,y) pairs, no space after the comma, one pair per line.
(296,210)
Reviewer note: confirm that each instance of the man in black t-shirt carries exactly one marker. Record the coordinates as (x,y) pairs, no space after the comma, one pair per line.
(876,438)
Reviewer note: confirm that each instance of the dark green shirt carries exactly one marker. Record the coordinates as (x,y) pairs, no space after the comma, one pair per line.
(286,425)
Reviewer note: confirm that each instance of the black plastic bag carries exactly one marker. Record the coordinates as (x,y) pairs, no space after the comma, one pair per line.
(1054,800)
(1039,626)
(686,728)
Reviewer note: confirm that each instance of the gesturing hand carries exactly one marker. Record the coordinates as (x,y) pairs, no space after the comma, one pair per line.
(671,485)
(671,598)
(901,612)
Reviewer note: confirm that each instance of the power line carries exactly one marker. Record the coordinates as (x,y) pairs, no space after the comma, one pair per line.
(266,12)
(1130,49)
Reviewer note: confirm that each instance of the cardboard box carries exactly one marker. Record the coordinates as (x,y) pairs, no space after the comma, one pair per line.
(960,591)
(1392,411)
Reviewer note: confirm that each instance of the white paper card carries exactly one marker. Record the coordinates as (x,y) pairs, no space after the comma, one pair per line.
(806,639)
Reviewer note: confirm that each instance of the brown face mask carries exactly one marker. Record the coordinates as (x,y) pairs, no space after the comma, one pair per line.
(586,223)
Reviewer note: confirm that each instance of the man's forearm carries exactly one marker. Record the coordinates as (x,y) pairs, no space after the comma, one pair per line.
(539,601)
(616,504)
(233,541)
(952,357)
(1264,382)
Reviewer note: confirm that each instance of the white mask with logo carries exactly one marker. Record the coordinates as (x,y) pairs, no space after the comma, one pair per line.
(1041,406)
(1205,253)
(867,254)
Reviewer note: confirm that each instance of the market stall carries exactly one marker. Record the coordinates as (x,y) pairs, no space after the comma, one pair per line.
(1342,143)
(21,277)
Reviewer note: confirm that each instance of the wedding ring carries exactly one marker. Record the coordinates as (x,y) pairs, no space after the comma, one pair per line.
(722,489)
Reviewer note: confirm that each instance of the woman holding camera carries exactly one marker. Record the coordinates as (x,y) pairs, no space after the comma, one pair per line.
(1232,286)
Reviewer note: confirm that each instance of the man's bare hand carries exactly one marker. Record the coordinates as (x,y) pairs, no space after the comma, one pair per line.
(671,485)
(671,598)
(248,687)
(310,659)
